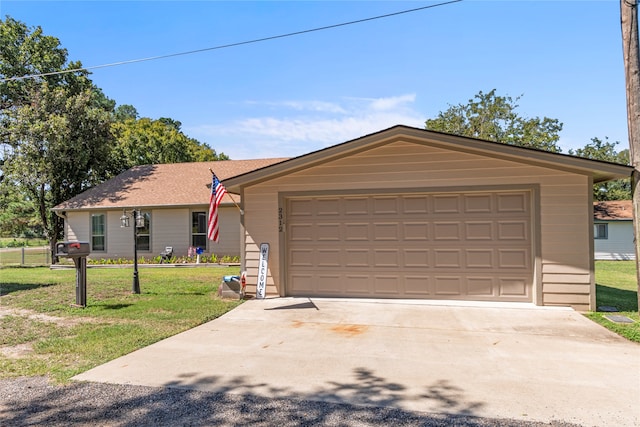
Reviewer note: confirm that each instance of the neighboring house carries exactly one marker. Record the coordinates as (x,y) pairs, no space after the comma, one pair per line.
(613,230)
(175,201)
(411,213)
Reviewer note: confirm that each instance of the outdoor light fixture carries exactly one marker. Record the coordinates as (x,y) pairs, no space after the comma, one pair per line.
(124,220)
(139,221)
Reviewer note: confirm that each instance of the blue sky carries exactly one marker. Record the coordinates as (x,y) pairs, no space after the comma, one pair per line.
(293,95)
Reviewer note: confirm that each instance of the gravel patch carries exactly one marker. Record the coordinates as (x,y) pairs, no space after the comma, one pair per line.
(33,401)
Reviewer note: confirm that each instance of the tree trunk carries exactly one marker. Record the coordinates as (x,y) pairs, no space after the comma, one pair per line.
(629,23)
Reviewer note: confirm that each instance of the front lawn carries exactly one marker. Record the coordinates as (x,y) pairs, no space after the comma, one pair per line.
(41,333)
(617,286)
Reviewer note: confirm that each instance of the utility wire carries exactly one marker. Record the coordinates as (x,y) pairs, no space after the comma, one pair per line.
(225,46)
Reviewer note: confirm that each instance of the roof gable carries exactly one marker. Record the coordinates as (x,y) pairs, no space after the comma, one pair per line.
(599,170)
(175,184)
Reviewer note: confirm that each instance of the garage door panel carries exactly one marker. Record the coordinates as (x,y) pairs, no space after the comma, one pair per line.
(447,258)
(300,208)
(301,284)
(514,287)
(329,258)
(386,258)
(415,205)
(478,203)
(446,230)
(479,230)
(301,258)
(356,284)
(412,231)
(330,232)
(386,285)
(513,230)
(480,286)
(479,258)
(302,232)
(417,286)
(448,285)
(416,258)
(385,205)
(448,204)
(513,258)
(445,246)
(329,283)
(386,231)
(512,203)
(357,231)
(357,258)
(356,206)
(327,207)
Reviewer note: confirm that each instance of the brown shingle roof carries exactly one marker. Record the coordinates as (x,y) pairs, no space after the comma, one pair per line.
(176,184)
(614,210)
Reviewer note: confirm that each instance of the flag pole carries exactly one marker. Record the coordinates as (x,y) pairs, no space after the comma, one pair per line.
(230,196)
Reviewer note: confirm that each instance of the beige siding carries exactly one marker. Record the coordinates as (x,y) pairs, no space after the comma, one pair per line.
(77,226)
(169,227)
(230,234)
(564,205)
(119,239)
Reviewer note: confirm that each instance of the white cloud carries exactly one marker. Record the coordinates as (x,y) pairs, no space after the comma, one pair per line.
(312,126)
(386,104)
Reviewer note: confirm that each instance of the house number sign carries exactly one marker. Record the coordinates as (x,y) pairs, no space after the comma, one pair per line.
(280,220)
(262,271)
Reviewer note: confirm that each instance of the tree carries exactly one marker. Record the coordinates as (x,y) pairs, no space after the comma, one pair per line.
(124,112)
(604,150)
(17,217)
(145,141)
(56,130)
(494,118)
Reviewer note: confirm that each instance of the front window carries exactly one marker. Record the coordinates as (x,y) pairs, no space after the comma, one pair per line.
(600,231)
(199,229)
(144,233)
(98,238)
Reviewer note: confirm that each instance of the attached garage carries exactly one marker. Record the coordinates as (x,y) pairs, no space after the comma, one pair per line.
(414,214)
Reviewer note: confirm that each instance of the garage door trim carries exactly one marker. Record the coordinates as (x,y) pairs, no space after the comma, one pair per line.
(534,218)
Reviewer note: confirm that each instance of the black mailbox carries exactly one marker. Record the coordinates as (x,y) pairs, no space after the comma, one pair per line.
(72,249)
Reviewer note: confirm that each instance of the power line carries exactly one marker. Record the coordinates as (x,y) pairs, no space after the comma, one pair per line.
(225,46)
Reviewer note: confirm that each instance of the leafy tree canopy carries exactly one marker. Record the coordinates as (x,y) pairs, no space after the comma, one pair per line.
(145,141)
(599,149)
(492,117)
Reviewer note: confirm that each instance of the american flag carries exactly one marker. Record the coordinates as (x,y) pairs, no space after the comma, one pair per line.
(217,192)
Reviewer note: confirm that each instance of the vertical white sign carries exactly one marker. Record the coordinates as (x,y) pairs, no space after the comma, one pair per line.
(262,271)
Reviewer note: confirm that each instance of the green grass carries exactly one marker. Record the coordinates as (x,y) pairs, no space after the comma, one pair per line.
(115,321)
(616,285)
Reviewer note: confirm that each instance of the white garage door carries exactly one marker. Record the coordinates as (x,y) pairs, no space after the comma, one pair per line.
(475,246)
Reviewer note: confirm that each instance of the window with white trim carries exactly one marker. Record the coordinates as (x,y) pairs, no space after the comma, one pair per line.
(144,233)
(199,230)
(98,233)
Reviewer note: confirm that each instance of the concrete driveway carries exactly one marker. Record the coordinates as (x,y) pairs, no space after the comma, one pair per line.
(487,360)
